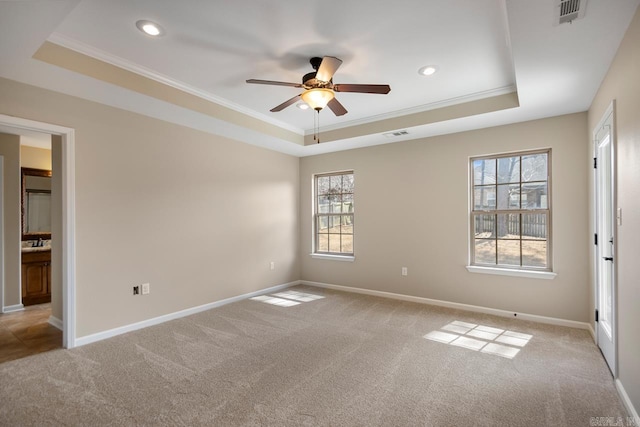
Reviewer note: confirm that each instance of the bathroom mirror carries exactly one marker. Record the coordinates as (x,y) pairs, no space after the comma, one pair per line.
(36,204)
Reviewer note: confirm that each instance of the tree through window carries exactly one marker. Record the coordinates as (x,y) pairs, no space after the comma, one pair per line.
(510,218)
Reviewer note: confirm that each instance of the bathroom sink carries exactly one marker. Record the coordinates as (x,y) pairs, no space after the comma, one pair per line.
(36,249)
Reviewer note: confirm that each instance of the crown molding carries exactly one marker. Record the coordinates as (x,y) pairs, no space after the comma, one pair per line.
(75,45)
(420,108)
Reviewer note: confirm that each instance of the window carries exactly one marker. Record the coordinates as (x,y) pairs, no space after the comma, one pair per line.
(510,217)
(333,220)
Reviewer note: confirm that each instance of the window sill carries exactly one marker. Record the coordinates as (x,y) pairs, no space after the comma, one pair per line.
(547,275)
(347,258)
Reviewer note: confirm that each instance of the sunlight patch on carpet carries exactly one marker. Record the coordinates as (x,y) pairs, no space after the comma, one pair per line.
(485,339)
(287,298)
(298,296)
(275,301)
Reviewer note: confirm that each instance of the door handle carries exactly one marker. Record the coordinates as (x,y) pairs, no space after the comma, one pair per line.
(608,258)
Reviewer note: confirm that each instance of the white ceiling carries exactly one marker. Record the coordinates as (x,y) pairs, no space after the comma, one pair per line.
(483,48)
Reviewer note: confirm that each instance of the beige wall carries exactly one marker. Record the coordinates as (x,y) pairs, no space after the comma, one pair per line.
(623,85)
(36,158)
(197,216)
(10,150)
(412,211)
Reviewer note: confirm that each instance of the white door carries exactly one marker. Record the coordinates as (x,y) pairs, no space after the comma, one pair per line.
(605,232)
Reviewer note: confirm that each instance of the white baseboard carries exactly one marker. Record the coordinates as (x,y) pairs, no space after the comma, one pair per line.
(12,308)
(627,403)
(55,322)
(593,333)
(176,315)
(455,305)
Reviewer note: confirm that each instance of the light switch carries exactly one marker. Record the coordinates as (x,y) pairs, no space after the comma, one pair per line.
(619,216)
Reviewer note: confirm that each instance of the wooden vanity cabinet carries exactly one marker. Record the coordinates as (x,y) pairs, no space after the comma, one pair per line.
(36,277)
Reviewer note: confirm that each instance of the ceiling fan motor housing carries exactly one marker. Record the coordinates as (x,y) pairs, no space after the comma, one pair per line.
(315,62)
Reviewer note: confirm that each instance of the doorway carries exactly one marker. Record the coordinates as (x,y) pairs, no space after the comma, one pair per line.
(28,324)
(604,197)
(67,236)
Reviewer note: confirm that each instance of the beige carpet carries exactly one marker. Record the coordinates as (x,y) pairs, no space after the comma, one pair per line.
(341,360)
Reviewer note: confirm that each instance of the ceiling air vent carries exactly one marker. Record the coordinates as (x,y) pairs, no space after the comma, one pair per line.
(570,10)
(396,133)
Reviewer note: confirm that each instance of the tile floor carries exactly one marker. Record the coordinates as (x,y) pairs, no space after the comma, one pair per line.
(27,332)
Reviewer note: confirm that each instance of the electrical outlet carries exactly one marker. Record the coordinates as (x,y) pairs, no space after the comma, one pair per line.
(404,271)
(146,288)
(272,265)
(136,290)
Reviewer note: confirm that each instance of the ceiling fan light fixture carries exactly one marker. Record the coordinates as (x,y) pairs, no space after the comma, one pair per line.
(317,98)
(428,70)
(150,28)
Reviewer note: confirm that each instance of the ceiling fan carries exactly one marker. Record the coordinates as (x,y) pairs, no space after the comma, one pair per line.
(320,89)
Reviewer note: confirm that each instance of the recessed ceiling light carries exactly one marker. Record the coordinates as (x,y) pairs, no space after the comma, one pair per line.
(150,28)
(428,70)
(302,105)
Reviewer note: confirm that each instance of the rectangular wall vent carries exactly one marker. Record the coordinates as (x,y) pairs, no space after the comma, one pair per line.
(396,133)
(570,10)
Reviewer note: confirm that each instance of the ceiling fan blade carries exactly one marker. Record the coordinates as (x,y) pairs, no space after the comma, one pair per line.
(337,108)
(285,104)
(271,82)
(383,89)
(327,68)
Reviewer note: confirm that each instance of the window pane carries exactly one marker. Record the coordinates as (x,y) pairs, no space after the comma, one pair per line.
(347,183)
(347,224)
(534,253)
(335,203)
(321,224)
(347,203)
(509,196)
(508,226)
(484,198)
(336,184)
(484,226)
(347,243)
(323,185)
(508,170)
(534,196)
(534,167)
(484,172)
(509,252)
(334,224)
(485,251)
(323,243)
(334,243)
(534,226)
(324,204)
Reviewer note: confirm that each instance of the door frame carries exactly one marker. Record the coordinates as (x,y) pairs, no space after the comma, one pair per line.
(68,218)
(2,270)
(609,114)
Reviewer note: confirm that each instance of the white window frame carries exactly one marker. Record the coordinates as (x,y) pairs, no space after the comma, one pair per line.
(337,256)
(502,269)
